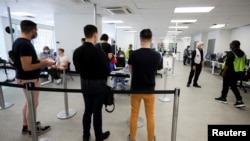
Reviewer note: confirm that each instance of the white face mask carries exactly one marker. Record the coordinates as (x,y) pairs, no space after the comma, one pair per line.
(46,51)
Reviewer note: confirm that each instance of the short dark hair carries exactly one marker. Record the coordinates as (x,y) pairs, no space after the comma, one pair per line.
(60,49)
(83,39)
(89,30)
(235,44)
(146,34)
(104,37)
(27,26)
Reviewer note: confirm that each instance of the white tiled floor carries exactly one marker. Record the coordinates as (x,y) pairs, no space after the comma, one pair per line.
(197,109)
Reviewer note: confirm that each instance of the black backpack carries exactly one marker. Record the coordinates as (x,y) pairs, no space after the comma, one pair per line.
(109,99)
(12,58)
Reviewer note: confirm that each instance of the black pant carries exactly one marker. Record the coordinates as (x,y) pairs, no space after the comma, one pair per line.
(230,81)
(186,60)
(55,73)
(93,94)
(194,74)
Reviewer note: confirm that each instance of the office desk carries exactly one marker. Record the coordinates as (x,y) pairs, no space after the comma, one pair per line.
(214,63)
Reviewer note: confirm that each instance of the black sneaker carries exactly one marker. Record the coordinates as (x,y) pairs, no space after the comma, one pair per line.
(188,85)
(105,135)
(239,104)
(197,86)
(25,128)
(41,130)
(86,138)
(221,99)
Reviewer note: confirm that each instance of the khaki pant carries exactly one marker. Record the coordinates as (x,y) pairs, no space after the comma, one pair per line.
(149,100)
(26,119)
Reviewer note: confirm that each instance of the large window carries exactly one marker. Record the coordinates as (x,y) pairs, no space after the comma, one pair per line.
(45,38)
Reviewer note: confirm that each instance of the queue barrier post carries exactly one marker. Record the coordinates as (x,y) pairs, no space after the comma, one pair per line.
(175,114)
(3,104)
(165,98)
(68,113)
(32,113)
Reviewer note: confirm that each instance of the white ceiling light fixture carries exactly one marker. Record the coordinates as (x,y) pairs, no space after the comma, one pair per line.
(123,27)
(218,26)
(23,14)
(132,31)
(178,27)
(113,21)
(193,9)
(183,21)
(174,31)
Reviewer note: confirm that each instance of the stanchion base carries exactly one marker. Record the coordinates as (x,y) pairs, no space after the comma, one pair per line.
(140,122)
(45,139)
(164,99)
(63,115)
(6,105)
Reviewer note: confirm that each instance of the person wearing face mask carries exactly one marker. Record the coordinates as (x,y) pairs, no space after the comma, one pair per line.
(46,53)
(196,65)
(28,70)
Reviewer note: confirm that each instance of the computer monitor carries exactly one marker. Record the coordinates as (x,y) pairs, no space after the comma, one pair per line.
(120,61)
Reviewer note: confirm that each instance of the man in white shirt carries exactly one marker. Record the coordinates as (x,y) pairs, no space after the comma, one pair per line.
(61,64)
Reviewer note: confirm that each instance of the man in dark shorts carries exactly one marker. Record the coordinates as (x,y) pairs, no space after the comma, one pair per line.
(91,63)
(28,69)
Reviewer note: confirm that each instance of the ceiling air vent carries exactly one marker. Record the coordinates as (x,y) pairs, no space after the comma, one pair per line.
(118,10)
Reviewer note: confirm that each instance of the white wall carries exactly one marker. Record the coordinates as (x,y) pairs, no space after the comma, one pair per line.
(69,31)
(222,44)
(243,35)
(123,39)
(3,51)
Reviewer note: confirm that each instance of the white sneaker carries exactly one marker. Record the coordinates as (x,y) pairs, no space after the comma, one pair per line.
(58,81)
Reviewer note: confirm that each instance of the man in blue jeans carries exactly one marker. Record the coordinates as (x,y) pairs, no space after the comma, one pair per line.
(92,65)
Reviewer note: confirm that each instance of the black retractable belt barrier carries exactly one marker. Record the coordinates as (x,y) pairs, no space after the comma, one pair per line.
(30,87)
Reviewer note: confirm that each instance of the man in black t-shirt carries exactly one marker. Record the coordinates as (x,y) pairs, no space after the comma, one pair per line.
(143,64)
(28,69)
(91,63)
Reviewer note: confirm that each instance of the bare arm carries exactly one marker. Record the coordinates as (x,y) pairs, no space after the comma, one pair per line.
(27,65)
(110,55)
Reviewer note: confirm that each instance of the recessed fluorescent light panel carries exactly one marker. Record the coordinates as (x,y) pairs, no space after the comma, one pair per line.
(174,31)
(113,21)
(193,9)
(123,27)
(218,26)
(26,14)
(132,31)
(183,21)
(178,27)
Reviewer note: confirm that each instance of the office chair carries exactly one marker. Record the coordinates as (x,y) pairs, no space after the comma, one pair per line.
(68,70)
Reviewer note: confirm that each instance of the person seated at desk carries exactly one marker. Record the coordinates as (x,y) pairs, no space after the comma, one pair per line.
(119,78)
(61,64)
(46,54)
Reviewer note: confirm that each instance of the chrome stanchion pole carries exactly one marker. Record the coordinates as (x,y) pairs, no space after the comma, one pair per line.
(32,113)
(3,104)
(175,114)
(165,98)
(68,113)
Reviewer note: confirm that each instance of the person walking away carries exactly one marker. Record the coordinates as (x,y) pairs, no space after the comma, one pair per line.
(186,56)
(233,70)
(196,65)
(143,64)
(28,70)
(91,63)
